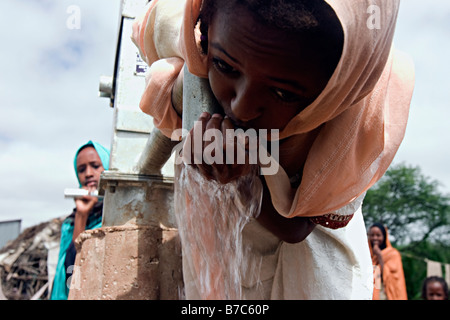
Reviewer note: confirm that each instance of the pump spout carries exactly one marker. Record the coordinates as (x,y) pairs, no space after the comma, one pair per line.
(197,98)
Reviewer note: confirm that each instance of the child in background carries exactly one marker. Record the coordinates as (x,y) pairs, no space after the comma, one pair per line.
(434,288)
(339,95)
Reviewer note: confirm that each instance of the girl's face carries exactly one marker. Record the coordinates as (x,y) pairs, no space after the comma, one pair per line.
(262,77)
(376,236)
(89,167)
(435,291)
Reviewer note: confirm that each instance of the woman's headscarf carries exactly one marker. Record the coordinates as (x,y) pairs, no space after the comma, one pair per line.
(361,114)
(102,152)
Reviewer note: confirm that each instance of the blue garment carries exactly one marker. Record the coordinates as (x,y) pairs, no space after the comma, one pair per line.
(60,290)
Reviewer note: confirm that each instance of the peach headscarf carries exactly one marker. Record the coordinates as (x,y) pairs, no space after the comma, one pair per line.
(362,111)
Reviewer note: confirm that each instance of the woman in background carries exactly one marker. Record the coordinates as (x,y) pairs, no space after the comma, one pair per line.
(388,268)
(91,159)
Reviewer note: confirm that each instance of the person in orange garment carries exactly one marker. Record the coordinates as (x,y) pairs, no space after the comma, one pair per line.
(388,268)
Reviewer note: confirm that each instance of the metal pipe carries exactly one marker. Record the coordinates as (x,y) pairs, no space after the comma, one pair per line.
(79,193)
(155,154)
(197,98)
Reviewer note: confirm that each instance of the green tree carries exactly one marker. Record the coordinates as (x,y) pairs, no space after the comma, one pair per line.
(410,205)
(417,216)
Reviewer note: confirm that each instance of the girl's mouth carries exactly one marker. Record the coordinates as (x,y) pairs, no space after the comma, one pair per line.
(238,124)
(91,184)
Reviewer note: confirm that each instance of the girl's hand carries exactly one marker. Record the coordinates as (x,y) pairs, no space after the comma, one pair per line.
(210,157)
(85,204)
(291,230)
(377,253)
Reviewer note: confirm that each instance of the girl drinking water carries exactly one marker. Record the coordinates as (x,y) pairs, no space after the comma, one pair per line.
(337,92)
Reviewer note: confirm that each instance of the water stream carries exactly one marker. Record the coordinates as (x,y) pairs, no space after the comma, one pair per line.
(210,218)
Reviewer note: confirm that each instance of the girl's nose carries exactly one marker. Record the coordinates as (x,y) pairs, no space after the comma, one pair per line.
(89,171)
(246,104)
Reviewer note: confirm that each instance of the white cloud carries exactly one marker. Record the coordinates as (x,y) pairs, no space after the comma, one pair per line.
(31,186)
(422,31)
(49,102)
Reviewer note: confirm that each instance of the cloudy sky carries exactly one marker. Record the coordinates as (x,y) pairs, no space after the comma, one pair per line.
(49,104)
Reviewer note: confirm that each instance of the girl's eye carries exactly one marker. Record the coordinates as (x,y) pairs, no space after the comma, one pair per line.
(286,96)
(95,165)
(222,66)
